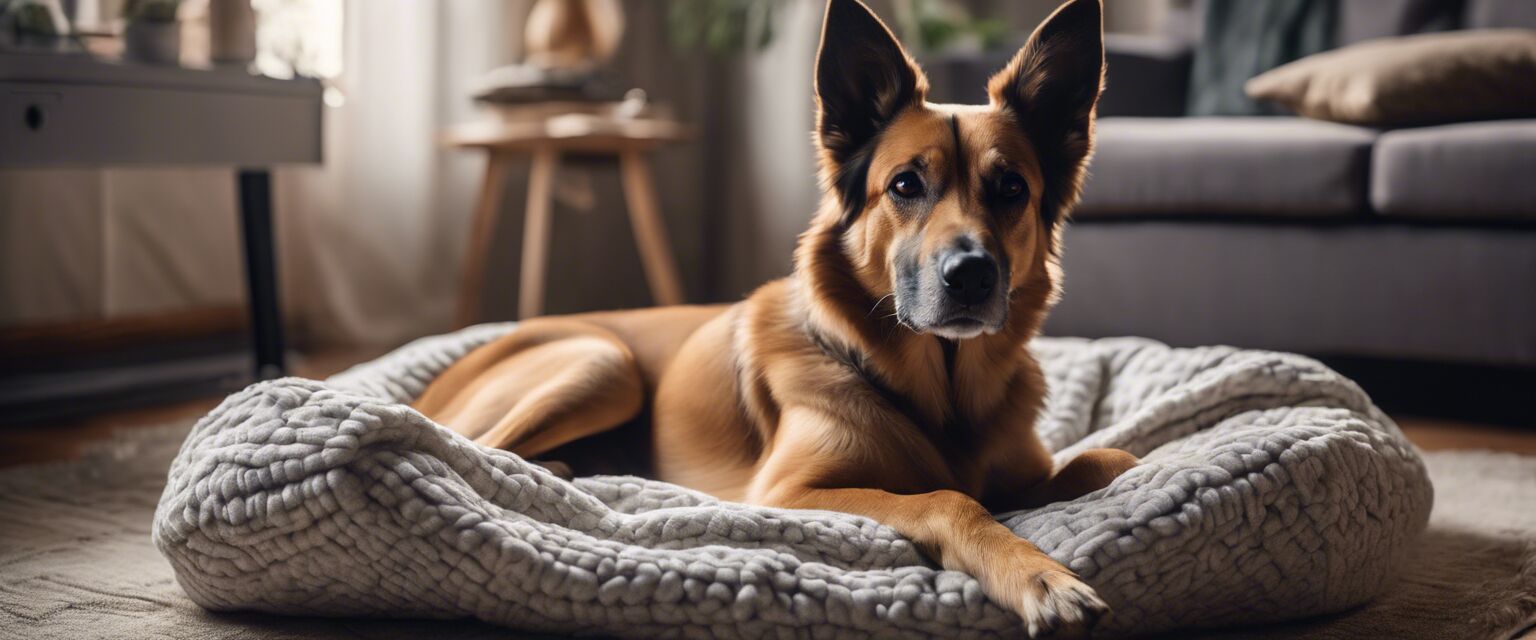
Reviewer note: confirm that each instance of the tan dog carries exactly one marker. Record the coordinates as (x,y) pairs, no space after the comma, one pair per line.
(888,377)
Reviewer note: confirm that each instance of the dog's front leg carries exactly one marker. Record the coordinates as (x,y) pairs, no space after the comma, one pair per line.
(829,457)
(958,533)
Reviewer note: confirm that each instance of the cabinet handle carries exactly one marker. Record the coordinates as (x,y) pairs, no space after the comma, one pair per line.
(34,117)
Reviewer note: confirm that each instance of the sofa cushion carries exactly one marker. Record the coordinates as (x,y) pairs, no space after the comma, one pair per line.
(1241,39)
(1247,166)
(1417,292)
(1475,170)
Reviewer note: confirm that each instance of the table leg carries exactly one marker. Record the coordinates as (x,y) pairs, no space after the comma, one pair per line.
(541,181)
(650,231)
(255,193)
(482,232)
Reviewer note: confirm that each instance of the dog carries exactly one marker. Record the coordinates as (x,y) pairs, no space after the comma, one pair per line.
(888,376)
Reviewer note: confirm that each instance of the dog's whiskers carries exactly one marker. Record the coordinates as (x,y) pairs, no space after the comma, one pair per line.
(879,302)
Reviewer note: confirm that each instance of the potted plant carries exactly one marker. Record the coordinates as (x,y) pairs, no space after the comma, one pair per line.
(941,26)
(151,33)
(721,27)
(32,24)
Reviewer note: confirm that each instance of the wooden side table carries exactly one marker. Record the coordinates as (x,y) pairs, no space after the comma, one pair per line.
(546,139)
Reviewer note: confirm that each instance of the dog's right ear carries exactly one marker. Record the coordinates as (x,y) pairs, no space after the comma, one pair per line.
(863,79)
(1052,90)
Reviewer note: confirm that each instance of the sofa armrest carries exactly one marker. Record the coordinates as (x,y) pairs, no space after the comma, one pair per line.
(1146,76)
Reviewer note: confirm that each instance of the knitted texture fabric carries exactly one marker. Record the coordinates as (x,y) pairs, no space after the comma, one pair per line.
(1270,488)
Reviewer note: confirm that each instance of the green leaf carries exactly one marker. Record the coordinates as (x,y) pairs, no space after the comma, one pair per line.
(721,27)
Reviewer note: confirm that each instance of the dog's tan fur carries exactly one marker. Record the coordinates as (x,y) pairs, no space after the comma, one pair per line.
(813,393)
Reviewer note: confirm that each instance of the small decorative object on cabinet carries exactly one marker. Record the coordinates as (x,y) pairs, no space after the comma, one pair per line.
(231,32)
(151,33)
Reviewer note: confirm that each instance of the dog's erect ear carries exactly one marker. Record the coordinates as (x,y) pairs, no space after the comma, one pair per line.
(863,79)
(1052,86)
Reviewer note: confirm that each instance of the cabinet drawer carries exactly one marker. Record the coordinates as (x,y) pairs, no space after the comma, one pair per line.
(45,124)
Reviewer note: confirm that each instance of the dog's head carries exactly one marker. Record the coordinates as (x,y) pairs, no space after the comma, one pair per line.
(952,211)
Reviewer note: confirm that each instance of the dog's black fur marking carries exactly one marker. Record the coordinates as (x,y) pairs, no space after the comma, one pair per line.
(850,181)
(954,129)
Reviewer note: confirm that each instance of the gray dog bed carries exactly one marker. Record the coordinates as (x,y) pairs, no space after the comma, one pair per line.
(1271,489)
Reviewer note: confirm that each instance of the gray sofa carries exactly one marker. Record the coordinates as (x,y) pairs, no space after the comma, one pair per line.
(1405,257)
(1296,234)
(1310,236)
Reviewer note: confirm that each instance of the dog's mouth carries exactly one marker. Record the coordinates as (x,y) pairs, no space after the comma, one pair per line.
(958,328)
(938,315)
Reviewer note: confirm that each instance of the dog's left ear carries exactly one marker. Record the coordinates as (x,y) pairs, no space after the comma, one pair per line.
(1052,87)
(863,79)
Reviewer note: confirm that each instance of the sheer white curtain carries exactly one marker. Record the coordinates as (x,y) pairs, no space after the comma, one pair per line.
(370,241)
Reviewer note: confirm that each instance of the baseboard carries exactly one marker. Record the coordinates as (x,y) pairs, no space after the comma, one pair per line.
(63,396)
(57,372)
(84,337)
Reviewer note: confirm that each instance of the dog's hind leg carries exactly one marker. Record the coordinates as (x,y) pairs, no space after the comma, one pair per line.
(546,384)
(1090,471)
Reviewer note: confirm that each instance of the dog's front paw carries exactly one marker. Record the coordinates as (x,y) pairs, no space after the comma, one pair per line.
(1055,604)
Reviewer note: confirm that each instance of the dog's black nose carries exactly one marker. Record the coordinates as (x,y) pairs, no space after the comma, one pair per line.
(969,276)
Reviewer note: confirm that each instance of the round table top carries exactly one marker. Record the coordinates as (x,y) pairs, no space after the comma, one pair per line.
(571,131)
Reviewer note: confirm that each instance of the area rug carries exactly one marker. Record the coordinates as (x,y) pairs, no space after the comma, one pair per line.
(76,559)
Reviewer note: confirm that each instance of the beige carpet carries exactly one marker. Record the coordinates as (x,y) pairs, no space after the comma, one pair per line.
(76,561)
(1474,573)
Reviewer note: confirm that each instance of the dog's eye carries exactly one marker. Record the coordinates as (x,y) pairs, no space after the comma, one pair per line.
(1011,187)
(907,185)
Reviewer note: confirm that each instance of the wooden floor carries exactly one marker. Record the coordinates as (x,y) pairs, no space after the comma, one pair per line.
(1440,435)
(24,444)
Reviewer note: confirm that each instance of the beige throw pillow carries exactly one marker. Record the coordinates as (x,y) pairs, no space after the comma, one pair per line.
(1420,79)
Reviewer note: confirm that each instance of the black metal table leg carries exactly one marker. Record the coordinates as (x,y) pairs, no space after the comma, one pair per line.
(255,192)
